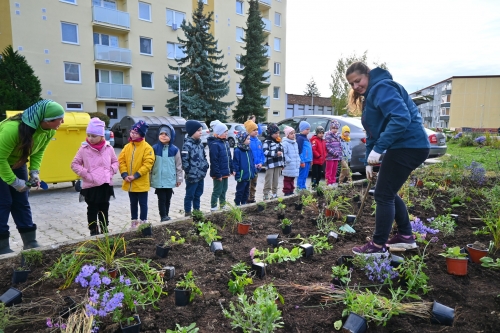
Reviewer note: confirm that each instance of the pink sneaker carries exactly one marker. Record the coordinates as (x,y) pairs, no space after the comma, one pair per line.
(369,249)
(405,242)
(134,224)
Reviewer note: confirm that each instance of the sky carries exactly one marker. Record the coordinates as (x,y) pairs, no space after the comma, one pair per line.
(422,42)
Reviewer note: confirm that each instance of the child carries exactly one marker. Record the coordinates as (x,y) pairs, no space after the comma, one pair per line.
(258,156)
(136,160)
(167,170)
(319,155)
(305,152)
(292,160)
(273,151)
(96,163)
(345,171)
(334,153)
(195,165)
(244,168)
(220,164)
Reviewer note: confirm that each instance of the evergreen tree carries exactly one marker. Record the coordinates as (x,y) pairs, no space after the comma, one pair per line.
(19,86)
(255,63)
(312,89)
(202,76)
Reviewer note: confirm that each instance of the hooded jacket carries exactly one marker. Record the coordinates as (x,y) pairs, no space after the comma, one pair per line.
(256,148)
(243,165)
(167,170)
(95,167)
(318,150)
(220,158)
(390,117)
(305,149)
(292,158)
(136,158)
(333,146)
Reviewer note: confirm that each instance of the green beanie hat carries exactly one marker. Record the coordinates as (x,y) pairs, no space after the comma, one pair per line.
(44,110)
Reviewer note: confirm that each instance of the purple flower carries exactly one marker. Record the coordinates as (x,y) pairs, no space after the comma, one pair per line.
(444,246)
(296,306)
(434,239)
(419,227)
(459,135)
(106,280)
(49,323)
(380,269)
(101,269)
(95,280)
(480,139)
(252,252)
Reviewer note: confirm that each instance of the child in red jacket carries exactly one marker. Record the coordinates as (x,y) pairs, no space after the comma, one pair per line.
(319,154)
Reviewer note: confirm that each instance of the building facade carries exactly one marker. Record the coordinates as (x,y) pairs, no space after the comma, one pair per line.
(112,56)
(461,101)
(299,105)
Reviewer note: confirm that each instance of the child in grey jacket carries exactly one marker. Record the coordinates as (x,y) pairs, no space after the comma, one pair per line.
(292,160)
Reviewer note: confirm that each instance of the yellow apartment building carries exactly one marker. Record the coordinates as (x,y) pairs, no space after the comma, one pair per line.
(112,56)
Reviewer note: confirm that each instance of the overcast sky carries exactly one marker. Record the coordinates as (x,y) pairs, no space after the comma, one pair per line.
(422,42)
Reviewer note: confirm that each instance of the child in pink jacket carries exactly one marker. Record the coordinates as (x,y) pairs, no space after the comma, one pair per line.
(96,163)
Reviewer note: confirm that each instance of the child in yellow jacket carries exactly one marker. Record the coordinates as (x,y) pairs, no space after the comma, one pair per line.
(136,161)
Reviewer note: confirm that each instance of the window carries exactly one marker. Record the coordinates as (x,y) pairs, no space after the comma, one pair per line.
(146,45)
(103,39)
(175,17)
(70,106)
(276,92)
(316,121)
(147,80)
(144,11)
(175,51)
(276,113)
(111,4)
(239,7)
(277,44)
(445,111)
(71,72)
(69,1)
(277,19)
(205,2)
(69,33)
(277,68)
(239,92)
(238,63)
(239,34)
(293,123)
(106,76)
(172,77)
(146,108)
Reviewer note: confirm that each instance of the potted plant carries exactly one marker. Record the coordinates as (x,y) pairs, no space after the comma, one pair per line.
(132,325)
(186,290)
(280,208)
(286,225)
(28,259)
(476,251)
(235,216)
(261,206)
(337,206)
(171,240)
(456,261)
(309,201)
(145,229)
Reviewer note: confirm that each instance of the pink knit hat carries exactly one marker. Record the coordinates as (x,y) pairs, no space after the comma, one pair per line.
(96,127)
(287,130)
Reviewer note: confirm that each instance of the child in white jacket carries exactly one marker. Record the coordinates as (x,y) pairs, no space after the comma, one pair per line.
(292,160)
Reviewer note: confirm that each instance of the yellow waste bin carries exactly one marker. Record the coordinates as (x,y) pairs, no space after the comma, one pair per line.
(56,163)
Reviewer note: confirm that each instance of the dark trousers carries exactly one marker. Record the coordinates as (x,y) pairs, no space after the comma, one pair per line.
(164,196)
(15,203)
(394,171)
(219,192)
(242,192)
(316,174)
(288,186)
(194,192)
(140,198)
(97,211)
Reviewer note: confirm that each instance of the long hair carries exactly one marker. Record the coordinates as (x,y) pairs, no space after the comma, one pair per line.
(355,100)
(25,144)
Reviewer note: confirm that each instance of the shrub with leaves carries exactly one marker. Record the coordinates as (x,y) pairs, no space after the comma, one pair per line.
(279,254)
(444,223)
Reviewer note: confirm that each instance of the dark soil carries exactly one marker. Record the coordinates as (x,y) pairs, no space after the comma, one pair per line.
(474,296)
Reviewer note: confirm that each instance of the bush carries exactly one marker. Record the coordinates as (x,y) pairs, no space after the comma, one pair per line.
(466,141)
(101,116)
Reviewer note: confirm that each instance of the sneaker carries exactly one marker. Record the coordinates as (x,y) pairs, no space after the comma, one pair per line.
(335,185)
(187,214)
(250,201)
(369,249)
(402,242)
(214,209)
(266,197)
(225,208)
(165,219)
(134,224)
(288,194)
(274,196)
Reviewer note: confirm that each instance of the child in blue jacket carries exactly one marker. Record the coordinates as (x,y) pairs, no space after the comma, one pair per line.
(244,168)
(258,156)
(305,152)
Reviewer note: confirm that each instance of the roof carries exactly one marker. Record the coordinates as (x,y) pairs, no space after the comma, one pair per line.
(456,77)
(307,100)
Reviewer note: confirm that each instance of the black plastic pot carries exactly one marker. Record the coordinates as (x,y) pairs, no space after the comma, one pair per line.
(314,221)
(281,216)
(356,198)
(298,206)
(396,260)
(337,282)
(20,276)
(346,261)
(371,192)
(162,251)
(442,314)
(454,217)
(273,239)
(147,231)
(70,307)
(182,297)
(287,229)
(308,250)
(355,324)
(260,208)
(260,269)
(350,219)
(333,236)
(169,272)
(11,297)
(216,246)
(134,328)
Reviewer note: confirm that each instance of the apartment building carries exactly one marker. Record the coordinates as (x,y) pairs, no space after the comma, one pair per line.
(112,56)
(461,101)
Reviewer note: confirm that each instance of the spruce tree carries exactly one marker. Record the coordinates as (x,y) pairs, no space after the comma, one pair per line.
(19,86)
(202,76)
(255,63)
(312,89)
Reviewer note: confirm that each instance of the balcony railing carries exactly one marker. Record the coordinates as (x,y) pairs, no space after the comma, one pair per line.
(112,54)
(111,16)
(267,23)
(268,51)
(268,101)
(266,77)
(264,4)
(113,91)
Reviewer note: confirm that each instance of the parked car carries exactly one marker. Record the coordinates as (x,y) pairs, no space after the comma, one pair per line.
(118,135)
(109,136)
(438,143)
(232,130)
(205,133)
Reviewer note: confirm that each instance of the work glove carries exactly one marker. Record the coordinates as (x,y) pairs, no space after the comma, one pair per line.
(369,172)
(373,158)
(302,165)
(34,178)
(20,185)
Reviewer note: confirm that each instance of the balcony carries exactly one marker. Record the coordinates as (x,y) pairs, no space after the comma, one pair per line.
(268,51)
(113,91)
(429,119)
(445,105)
(110,18)
(266,77)
(267,26)
(110,55)
(264,5)
(444,117)
(268,102)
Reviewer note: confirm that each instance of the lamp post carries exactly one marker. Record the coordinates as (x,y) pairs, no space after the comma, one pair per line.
(179,81)
(312,102)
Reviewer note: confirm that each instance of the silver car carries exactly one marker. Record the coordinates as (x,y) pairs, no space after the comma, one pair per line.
(438,143)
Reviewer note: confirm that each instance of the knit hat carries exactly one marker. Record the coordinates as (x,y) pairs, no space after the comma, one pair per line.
(219,128)
(44,110)
(241,136)
(304,125)
(166,130)
(250,126)
(320,129)
(272,128)
(287,130)
(346,138)
(140,127)
(96,127)
(334,124)
(192,126)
